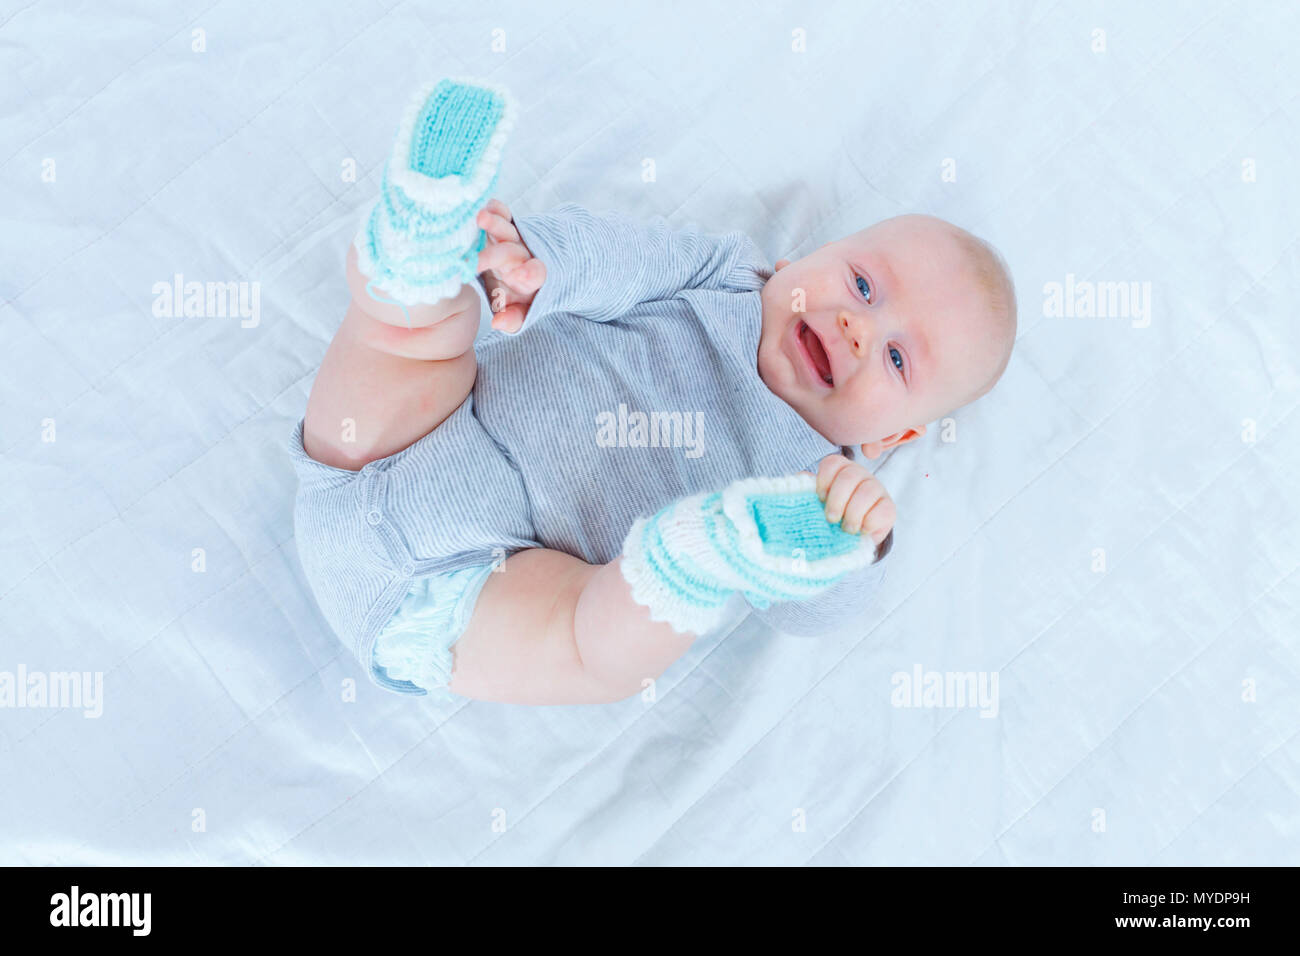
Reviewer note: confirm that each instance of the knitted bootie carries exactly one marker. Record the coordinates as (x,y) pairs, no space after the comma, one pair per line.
(766,538)
(419,241)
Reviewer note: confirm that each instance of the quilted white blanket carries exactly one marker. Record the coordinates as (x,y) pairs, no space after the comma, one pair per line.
(1086,650)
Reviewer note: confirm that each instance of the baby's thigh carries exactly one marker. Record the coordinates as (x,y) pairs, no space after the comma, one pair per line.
(367,404)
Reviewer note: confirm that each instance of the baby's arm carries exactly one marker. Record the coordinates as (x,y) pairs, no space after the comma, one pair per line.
(601,265)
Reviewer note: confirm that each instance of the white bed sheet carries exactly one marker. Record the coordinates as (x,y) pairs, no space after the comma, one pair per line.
(1147,714)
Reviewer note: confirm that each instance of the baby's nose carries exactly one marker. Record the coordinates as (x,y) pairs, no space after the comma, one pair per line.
(854,332)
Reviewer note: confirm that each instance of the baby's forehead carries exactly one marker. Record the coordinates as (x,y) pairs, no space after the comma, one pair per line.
(922,259)
(912,236)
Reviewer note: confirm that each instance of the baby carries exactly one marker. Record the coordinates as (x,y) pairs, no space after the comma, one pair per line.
(462,527)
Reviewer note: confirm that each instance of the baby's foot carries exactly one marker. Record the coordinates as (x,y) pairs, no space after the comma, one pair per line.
(767,538)
(419,242)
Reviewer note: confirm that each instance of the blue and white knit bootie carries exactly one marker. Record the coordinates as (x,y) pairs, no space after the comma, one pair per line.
(766,538)
(419,242)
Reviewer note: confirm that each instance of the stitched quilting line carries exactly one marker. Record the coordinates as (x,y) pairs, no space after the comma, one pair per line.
(188,166)
(116,76)
(177,327)
(812,228)
(190,768)
(1182,667)
(12,302)
(1021,357)
(612,740)
(467,702)
(252,720)
(1219,799)
(119,514)
(1173,514)
(382,772)
(55,714)
(5,21)
(1003,200)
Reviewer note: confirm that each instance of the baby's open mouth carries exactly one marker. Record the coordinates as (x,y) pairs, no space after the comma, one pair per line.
(812,344)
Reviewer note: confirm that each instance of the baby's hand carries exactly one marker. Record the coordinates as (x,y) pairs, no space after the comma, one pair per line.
(854,498)
(510,273)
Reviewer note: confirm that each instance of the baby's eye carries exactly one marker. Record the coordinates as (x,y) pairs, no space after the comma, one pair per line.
(897,358)
(865,288)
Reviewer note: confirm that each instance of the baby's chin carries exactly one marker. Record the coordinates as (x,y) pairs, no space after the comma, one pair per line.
(823,419)
(817,417)
(768,361)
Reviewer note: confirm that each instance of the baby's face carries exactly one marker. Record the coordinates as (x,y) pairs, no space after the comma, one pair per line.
(887,337)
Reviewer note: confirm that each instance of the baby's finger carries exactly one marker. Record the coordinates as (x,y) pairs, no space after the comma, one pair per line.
(880,519)
(526,278)
(501,209)
(859,503)
(501,257)
(497,226)
(829,467)
(838,495)
(509,320)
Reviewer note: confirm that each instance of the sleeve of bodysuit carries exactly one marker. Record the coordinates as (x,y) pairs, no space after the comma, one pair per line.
(600,265)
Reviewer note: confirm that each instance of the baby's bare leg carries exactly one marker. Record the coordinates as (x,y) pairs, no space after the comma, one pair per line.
(383,385)
(552,629)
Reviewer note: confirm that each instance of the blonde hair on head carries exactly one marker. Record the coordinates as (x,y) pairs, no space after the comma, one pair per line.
(994,278)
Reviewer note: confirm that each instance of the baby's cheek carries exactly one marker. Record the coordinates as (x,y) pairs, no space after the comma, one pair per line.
(857,414)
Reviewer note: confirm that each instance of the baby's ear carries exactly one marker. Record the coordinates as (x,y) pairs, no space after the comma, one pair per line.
(781,264)
(873,450)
